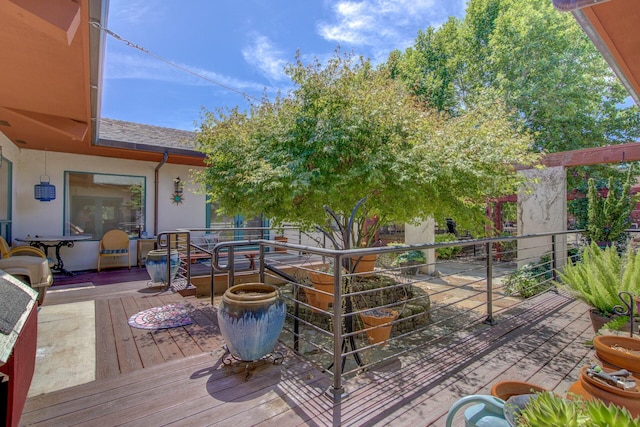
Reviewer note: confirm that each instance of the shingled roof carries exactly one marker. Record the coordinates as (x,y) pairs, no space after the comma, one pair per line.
(118,131)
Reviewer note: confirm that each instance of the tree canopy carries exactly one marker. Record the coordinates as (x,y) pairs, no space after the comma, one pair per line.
(534,59)
(348,131)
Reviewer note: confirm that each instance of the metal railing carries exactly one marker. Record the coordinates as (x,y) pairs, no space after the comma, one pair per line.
(328,327)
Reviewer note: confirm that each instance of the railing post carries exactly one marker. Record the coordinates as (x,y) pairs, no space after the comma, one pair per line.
(489,320)
(261,258)
(337,391)
(232,268)
(169,236)
(554,259)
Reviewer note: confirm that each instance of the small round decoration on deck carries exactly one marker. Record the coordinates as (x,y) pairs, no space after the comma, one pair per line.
(167,316)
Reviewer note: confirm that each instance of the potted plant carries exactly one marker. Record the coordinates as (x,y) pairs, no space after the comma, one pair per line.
(322,279)
(549,409)
(608,217)
(598,278)
(280,237)
(409,261)
(378,322)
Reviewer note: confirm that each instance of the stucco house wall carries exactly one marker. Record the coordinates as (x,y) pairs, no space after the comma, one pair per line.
(33,217)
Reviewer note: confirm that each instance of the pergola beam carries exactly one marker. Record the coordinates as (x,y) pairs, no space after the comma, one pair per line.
(629,152)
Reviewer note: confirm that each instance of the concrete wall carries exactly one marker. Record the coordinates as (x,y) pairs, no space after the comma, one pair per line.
(542,208)
(420,234)
(32,217)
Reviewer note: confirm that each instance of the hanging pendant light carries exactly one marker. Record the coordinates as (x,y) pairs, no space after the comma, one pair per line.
(45,192)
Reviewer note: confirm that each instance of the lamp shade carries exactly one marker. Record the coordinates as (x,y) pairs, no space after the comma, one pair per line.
(44,191)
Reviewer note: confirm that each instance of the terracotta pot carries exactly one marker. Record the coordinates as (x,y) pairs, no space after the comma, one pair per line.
(379,319)
(598,321)
(323,282)
(605,350)
(505,389)
(364,265)
(590,388)
(281,239)
(312,301)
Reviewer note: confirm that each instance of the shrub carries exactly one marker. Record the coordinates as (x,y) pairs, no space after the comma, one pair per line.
(409,257)
(450,252)
(531,279)
(600,275)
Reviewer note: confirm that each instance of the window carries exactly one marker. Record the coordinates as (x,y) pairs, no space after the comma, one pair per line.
(96,203)
(216,221)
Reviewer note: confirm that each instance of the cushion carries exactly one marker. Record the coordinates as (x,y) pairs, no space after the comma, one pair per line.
(114,251)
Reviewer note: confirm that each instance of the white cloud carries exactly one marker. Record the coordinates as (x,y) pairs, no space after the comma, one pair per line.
(129,66)
(262,55)
(132,11)
(383,24)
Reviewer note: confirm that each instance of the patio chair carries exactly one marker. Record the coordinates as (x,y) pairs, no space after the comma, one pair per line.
(6,251)
(114,243)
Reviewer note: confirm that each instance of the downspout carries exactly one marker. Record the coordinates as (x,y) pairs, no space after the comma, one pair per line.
(157,192)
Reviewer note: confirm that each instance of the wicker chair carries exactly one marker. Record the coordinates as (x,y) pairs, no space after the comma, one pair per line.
(114,243)
(7,251)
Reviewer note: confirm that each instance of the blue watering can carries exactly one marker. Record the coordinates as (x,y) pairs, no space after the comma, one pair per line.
(488,411)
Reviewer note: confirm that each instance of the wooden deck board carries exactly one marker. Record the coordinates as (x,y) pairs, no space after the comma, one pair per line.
(147,350)
(50,406)
(542,342)
(106,359)
(164,342)
(125,345)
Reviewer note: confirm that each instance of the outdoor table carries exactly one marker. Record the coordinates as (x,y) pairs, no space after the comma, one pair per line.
(46,242)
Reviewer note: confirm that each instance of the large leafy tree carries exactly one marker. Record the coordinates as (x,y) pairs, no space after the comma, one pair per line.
(348,131)
(533,58)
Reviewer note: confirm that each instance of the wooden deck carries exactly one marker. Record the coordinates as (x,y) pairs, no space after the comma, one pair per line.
(177,376)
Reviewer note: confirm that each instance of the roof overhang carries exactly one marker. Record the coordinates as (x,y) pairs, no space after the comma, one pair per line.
(612,26)
(51,78)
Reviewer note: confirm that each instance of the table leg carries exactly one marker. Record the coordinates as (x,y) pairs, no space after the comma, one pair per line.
(59,265)
(252,260)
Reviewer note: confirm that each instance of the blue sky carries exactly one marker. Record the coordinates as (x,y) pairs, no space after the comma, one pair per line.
(243,45)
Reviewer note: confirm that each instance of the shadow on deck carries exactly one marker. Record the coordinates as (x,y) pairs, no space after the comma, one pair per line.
(540,341)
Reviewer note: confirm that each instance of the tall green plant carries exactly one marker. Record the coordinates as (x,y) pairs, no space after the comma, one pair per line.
(608,217)
(600,275)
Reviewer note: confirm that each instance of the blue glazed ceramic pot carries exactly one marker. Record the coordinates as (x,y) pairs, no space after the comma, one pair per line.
(251,317)
(156,264)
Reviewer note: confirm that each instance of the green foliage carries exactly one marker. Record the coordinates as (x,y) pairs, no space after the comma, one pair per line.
(451,251)
(608,216)
(549,409)
(531,279)
(409,257)
(616,324)
(348,131)
(600,275)
(537,61)
(607,415)
(136,197)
